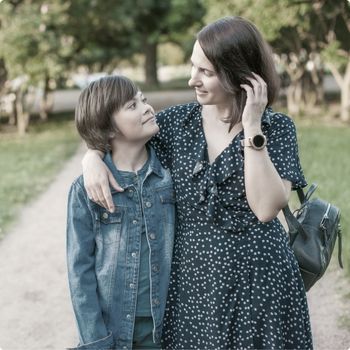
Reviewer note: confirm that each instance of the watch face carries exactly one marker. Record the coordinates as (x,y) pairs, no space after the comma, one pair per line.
(259,141)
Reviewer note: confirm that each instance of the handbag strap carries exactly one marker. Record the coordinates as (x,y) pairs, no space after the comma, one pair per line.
(305,197)
(294,225)
(301,195)
(340,247)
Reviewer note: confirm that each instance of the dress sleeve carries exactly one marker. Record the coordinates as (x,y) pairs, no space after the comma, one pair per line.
(283,150)
(162,142)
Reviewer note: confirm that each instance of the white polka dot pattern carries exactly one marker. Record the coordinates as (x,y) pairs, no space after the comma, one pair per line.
(235,283)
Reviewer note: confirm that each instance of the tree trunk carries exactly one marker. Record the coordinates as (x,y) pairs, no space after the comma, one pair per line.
(3,73)
(345,103)
(294,94)
(344,85)
(45,103)
(345,96)
(22,113)
(13,115)
(151,63)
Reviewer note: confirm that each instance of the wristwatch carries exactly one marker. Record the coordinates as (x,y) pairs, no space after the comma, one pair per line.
(257,141)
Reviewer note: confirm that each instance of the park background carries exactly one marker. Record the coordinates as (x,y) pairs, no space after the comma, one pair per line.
(51,49)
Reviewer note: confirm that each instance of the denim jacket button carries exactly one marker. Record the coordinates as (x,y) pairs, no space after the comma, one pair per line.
(155,268)
(134,222)
(156,302)
(128,316)
(105,215)
(152,236)
(132,285)
(148,204)
(134,254)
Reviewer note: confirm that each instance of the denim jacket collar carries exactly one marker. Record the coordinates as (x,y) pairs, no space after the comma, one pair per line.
(153,166)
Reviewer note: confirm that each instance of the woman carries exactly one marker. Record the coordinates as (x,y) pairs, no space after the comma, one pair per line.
(235,283)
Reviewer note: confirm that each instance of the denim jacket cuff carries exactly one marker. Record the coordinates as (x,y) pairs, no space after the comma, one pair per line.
(105,343)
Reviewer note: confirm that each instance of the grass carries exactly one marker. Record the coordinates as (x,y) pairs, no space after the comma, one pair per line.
(324,152)
(29,164)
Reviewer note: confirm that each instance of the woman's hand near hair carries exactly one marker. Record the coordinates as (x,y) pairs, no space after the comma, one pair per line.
(97,178)
(266,192)
(255,104)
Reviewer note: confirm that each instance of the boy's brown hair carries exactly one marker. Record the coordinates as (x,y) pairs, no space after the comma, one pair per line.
(96,106)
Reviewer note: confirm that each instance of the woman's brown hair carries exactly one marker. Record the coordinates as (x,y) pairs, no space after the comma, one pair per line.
(236,48)
(96,106)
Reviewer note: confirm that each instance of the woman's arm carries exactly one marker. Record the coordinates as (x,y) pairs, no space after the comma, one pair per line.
(266,192)
(97,178)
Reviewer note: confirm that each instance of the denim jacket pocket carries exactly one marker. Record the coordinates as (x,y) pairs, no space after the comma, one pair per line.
(109,225)
(167,200)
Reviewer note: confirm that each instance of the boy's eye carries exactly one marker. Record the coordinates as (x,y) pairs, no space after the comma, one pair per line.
(132,105)
(144,100)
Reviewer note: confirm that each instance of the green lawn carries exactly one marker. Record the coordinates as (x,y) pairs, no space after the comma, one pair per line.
(28,164)
(325,157)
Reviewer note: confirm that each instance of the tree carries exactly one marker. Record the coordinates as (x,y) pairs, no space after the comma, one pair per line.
(334,23)
(175,19)
(33,47)
(109,31)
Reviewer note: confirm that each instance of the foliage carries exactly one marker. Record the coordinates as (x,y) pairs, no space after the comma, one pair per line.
(113,30)
(32,42)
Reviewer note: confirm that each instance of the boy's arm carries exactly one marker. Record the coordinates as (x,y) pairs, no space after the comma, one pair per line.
(81,268)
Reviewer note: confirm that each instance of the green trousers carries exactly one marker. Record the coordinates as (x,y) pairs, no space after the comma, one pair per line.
(143,338)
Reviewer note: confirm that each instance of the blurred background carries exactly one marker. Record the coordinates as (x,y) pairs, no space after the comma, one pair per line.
(51,49)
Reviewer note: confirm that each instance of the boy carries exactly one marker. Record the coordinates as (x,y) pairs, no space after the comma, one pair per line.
(119,263)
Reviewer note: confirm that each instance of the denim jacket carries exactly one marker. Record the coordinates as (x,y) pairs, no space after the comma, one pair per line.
(103,256)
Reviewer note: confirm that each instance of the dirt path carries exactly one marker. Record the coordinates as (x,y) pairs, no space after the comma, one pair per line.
(34,300)
(329,305)
(35,310)
(34,296)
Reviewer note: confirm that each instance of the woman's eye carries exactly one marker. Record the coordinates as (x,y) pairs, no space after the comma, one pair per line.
(207,73)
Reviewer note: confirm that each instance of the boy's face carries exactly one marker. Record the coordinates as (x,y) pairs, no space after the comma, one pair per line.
(135,121)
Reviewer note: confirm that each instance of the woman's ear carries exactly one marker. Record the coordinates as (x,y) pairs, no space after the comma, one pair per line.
(112,135)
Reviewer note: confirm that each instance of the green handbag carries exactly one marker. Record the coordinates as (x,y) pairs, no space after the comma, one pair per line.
(313,231)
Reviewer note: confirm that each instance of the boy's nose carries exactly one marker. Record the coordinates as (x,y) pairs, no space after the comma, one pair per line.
(149,110)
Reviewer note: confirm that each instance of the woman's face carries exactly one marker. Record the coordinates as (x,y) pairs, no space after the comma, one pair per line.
(205,81)
(135,121)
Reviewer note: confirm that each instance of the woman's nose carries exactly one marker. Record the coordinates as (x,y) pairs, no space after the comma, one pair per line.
(194,79)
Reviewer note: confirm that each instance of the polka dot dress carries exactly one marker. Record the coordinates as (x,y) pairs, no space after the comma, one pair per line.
(235,283)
